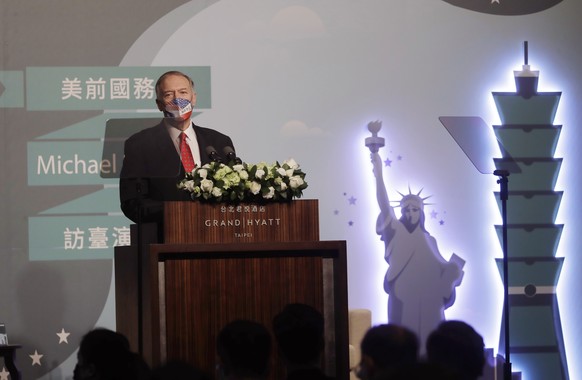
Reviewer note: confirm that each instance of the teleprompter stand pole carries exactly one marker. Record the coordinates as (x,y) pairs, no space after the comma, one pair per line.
(504,195)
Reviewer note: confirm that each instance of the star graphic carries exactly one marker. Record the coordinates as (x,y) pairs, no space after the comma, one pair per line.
(36,358)
(4,374)
(433,214)
(63,336)
(399,158)
(336,212)
(387,162)
(441,222)
(350,223)
(352,200)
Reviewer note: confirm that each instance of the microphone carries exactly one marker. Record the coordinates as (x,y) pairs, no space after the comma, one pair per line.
(231,155)
(213,154)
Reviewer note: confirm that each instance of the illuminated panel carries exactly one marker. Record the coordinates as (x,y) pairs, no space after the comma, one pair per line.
(528,138)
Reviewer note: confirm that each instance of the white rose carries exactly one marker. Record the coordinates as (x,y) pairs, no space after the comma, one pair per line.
(202,173)
(270,194)
(260,173)
(255,187)
(189,185)
(206,185)
(238,167)
(283,186)
(292,164)
(244,175)
(290,172)
(282,172)
(216,192)
(295,182)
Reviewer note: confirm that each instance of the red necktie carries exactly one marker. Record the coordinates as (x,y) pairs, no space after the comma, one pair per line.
(186,154)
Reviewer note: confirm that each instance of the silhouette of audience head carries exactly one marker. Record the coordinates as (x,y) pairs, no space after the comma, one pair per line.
(244,349)
(299,330)
(105,355)
(420,371)
(456,346)
(178,370)
(387,349)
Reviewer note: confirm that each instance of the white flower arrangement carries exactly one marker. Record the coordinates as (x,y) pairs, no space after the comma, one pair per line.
(232,182)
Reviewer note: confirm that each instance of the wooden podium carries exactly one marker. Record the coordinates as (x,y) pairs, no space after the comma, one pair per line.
(219,263)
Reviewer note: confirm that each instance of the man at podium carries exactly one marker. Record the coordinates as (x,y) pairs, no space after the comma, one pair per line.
(156,158)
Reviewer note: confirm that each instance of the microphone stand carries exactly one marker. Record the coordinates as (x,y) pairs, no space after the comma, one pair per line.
(503,196)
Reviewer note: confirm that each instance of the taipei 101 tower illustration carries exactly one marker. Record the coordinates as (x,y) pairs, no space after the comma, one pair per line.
(528,139)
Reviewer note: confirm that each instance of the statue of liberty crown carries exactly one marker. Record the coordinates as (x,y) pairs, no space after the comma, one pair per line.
(411,199)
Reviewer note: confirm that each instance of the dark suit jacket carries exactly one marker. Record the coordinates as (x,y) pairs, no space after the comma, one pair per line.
(152,168)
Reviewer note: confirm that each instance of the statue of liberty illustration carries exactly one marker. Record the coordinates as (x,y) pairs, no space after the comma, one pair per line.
(420,283)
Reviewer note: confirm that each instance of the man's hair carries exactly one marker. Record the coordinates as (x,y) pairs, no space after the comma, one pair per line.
(299,332)
(170,73)
(390,346)
(458,347)
(244,348)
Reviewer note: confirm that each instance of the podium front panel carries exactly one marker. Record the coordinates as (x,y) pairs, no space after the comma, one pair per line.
(199,288)
(196,222)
